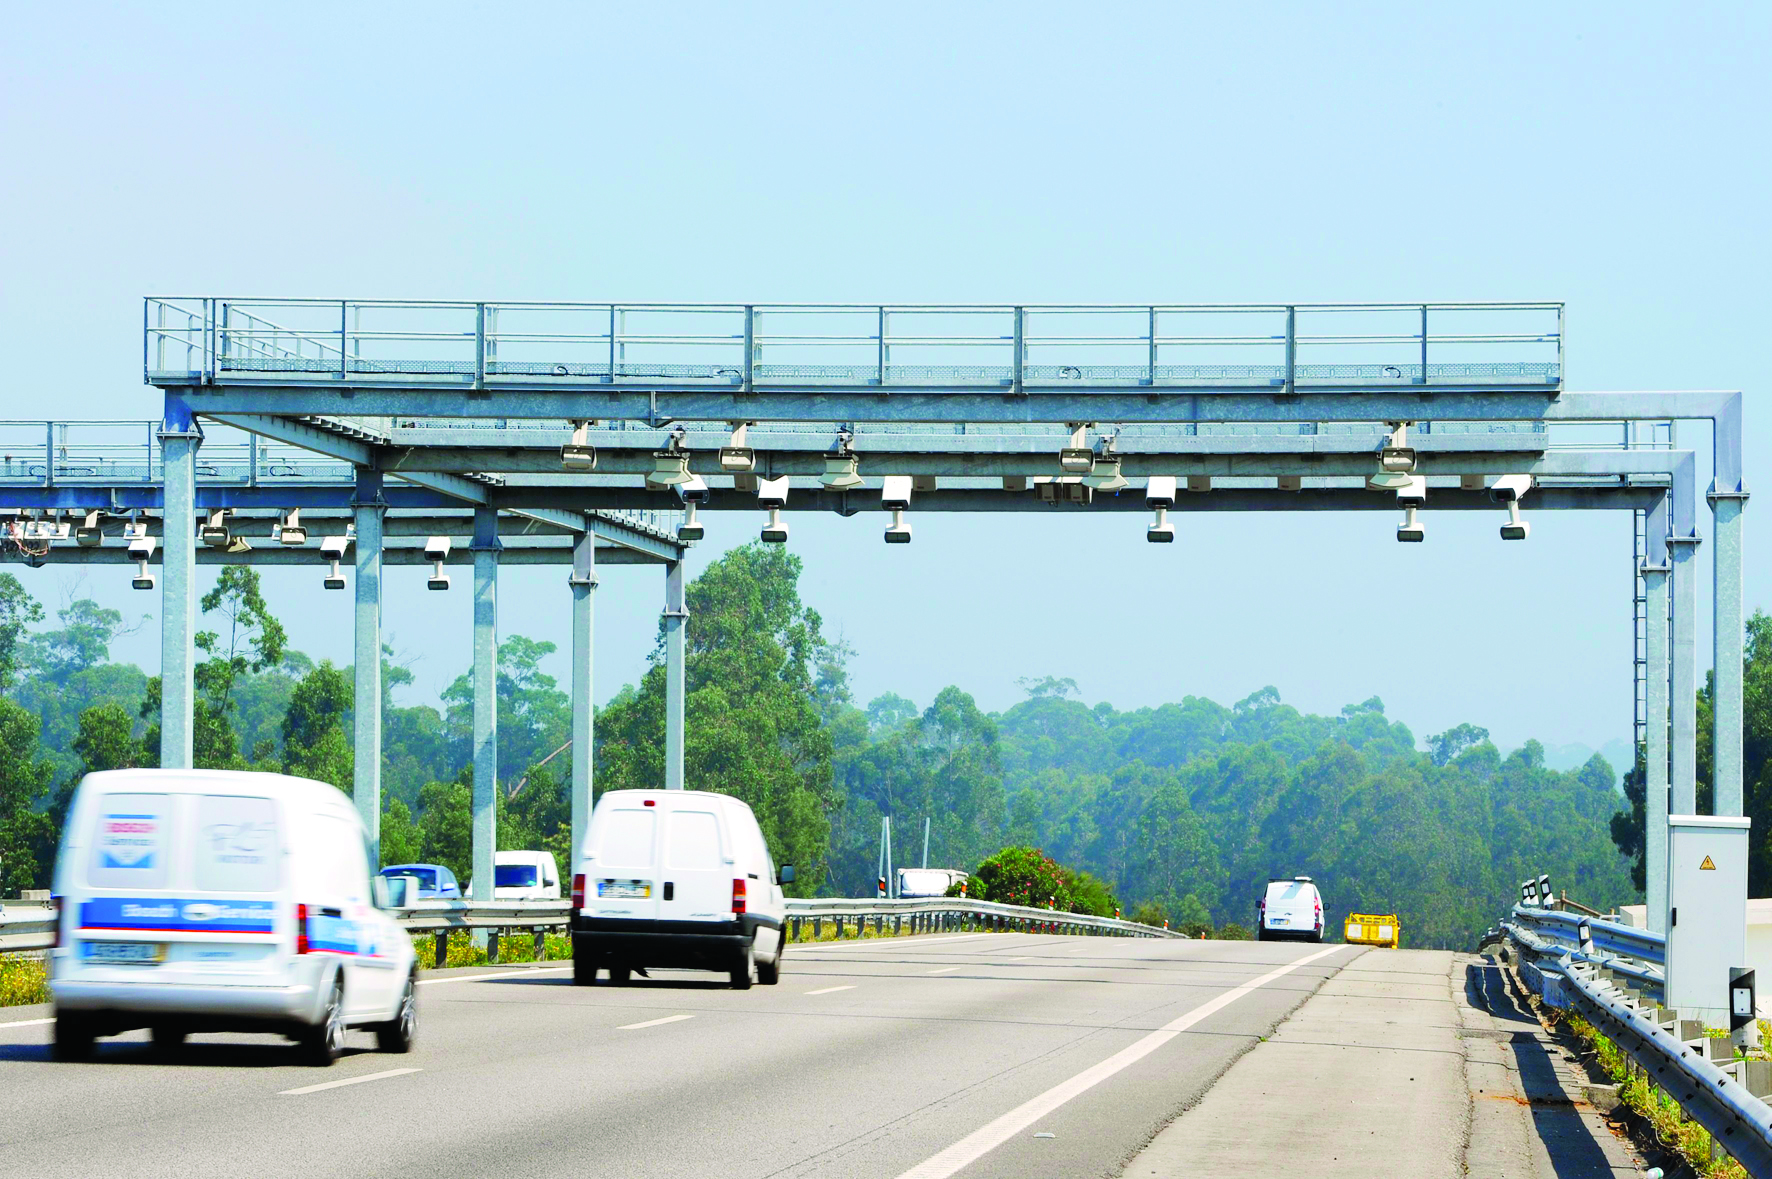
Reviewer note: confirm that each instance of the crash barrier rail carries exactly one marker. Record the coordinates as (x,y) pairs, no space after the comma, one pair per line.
(1277,345)
(1560,958)
(32,927)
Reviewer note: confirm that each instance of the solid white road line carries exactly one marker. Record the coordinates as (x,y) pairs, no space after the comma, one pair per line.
(992,1135)
(426,982)
(943,970)
(828,990)
(25,1023)
(652,1023)
(393,1072)
(1018,958)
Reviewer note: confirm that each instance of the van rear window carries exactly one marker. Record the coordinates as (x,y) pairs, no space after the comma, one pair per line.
(237,845)
(132,843)
(695,841)
(627,840)
(513,876)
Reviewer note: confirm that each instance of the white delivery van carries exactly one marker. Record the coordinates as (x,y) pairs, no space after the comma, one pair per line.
(1290,909)
(523,876)
(928,882)
(676,878)
(215,900)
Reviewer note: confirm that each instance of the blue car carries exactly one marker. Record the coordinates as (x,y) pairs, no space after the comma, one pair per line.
(435,882)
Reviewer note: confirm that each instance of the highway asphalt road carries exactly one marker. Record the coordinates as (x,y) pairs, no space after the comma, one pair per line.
(972,1055)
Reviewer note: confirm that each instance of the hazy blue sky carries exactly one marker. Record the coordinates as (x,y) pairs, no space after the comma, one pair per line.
(1612,156)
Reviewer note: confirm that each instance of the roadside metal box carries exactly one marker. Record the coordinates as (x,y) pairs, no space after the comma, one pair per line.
(1707,912)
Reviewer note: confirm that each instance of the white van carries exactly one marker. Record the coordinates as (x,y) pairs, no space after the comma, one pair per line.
(216,900)
(1290,909)
(676,878)
(523,876)
(928,882)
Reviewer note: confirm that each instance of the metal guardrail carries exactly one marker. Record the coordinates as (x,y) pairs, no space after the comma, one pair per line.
(749,345)
(32,927)
(1614,975)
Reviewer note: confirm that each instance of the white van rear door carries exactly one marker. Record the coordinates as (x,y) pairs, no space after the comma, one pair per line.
(698,873)
(623,867)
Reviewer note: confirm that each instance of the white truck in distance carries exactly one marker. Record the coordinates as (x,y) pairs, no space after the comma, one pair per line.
(928,882)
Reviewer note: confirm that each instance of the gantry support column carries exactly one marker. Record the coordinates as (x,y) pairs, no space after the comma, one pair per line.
(486,549)
(1655,672)
(367,510)
(179,437)
(1726,509)
(1683,546)
(675,615)
(584,602)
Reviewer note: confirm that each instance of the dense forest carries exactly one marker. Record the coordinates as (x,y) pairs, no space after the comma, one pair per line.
(1181,811)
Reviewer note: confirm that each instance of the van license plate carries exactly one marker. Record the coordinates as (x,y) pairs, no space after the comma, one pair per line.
(144,953)
(624,888)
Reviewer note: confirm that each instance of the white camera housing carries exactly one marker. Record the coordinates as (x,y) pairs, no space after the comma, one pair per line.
(1413,494)
(773,493)
(1159,491)
(895,496)
(333,548)
(141,548)
(1161,530)
(1510,488)
(437,548)
(775,532)
(290,530)
(694,491)
(898,532)
(691,529)
(1411,530)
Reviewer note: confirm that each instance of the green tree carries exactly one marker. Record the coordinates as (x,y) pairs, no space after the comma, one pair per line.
(253,641)
(1022,876)
(27,834)
(401,840)
(534,715)
(446,825)
(18,609)
(315,743)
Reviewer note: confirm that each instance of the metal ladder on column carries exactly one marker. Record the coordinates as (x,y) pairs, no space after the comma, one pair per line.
(1655,436)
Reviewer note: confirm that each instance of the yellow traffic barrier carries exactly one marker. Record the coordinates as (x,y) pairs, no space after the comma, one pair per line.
(1368,929)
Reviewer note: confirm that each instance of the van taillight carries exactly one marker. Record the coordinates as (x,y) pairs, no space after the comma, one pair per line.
(55,916)
(301,929)
(738,896)
(578,890)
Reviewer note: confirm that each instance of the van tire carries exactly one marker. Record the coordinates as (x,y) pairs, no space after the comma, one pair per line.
(168,1038)
(745,972)
(73,1038)
(322,1043)
(399,1033)
(620,976)
(769,973)
(584,967)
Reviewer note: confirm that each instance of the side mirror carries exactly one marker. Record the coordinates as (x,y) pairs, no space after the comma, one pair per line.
(786,875)
(380,895)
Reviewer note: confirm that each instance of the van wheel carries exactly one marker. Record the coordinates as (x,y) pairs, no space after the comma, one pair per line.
(1260,933)
(769,973)
(745,973)
(399,1033)
(167,1037)
(73,1038)
(323,1042)
(584,966)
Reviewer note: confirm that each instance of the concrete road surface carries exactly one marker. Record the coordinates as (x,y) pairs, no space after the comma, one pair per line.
(972,1055)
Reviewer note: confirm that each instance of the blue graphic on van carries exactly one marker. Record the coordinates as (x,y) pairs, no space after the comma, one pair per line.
(175,915)
(336,935)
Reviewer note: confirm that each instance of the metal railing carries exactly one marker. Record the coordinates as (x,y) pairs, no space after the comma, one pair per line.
(32,927)
(1614,976)
(785,345)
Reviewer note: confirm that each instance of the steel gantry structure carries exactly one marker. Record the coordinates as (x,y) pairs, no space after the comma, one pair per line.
(551,425)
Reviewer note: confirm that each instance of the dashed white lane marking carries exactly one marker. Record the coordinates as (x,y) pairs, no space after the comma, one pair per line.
(1019,958)
(652,1023)
(393,1072)
(943,970)
(426,982)
(993,1134)
(25,1023)
(828,990)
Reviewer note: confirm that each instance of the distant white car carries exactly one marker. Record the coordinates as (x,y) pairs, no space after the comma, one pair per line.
(1290,909)
(928,882)
(219,900)
(523,876)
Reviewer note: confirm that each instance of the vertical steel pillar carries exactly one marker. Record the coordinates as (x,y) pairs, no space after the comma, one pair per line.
(1728,496)
(1683,543)
(1655,573)
(179,436)
(675,615)
(485,548)
(584,599)
(367,509)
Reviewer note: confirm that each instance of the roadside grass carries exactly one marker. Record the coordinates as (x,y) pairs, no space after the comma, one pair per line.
(1670,1126)
(23,980)
(462,951)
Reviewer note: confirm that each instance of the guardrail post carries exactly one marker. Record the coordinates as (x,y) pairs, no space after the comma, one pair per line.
(818,929)
(541,944)
(796,930)
(492,945)
(441,956)
(897,924)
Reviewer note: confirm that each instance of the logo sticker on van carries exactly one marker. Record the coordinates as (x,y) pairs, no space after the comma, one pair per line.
(128,841)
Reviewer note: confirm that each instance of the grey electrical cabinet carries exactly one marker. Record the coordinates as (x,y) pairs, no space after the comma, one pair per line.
(1707,912)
